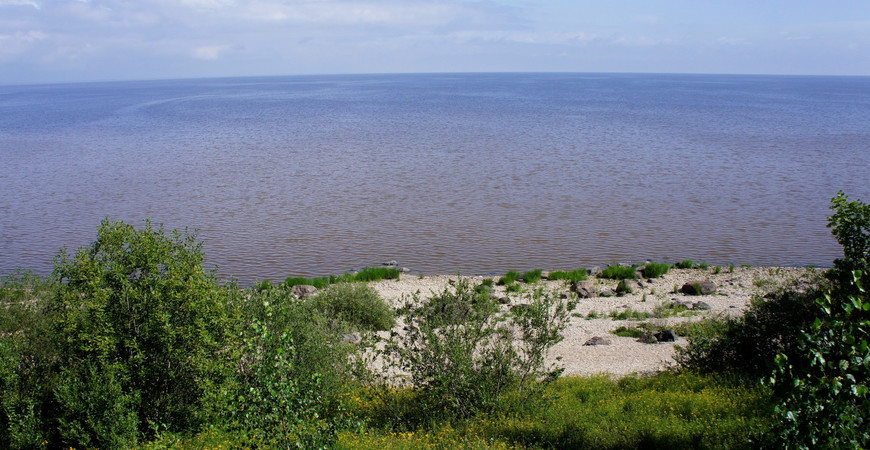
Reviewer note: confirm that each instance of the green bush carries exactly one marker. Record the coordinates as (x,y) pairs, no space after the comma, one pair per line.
(822,384)
(655,270)
(620,272)
(136,338)
(461,357)
(572,276)
(291,376)
(356,304)
(748,344)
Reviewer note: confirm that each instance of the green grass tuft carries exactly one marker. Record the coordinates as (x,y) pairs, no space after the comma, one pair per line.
(655,270)
(572,276)
(532,276)
(509,278)
(686,264)
(620,272)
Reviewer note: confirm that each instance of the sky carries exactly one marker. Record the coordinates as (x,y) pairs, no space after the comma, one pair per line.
(95,40)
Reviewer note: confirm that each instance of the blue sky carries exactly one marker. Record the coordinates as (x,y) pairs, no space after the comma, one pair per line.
(82,40)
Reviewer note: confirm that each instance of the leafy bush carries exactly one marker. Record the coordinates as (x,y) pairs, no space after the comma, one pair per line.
(822,383)
(461,357)
(572,276)
(748,344)
(356,304)
(293,369)
(686,264)
(137,337)
(655,270)
(620,272)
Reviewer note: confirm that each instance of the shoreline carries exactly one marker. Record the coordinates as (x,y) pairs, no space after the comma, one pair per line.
(598,316)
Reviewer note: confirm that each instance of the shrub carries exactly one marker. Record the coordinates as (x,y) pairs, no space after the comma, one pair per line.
(293,369)
(632,332)
(748,344)
(620,272)
(822,382)
(356,304)
(624,287)
(139,337)
(655,270)
(572,276)
(462,358)
(509,277)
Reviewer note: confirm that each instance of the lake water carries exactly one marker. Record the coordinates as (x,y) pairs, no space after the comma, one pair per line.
(476,173)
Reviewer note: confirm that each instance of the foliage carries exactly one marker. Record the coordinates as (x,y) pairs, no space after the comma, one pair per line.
(663,411)
(376,274)
(748,344)
(358,305)
(655,270)
(319,283)
(135,337)
(629,314)
(685,264)
(620,272)
(532,276)
(461,355)
(572,276)
(822,387)
(508,278)
(624,287)
(282,398)
(632,332)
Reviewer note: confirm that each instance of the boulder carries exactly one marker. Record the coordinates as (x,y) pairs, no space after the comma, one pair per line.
(597,340)
(647,338)
(607,293)
(705,287)
(391,263)
(353,338)
(625,287)
(666,336)
(701,306)
(303,290)
(584,289)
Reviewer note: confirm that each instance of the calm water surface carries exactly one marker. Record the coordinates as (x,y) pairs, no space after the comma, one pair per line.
(474,172)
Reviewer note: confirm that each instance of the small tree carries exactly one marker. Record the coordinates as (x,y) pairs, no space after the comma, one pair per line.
(825,401)
(137,311)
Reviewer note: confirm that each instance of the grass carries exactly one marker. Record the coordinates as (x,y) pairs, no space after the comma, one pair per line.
(686,264)
(572,276)
(663,310)
(508,278)
(365,275)
(655,270)
(668,410)
(629,314)
(632,332)
(620,272)
(532,276)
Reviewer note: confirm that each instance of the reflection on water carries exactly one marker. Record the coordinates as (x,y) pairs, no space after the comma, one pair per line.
(444,173)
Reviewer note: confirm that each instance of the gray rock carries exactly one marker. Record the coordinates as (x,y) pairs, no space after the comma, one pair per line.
(584,289)
(666,336)
(405,270)
(647,338)
(701,306)
(705,287)
(391,263)
(353,338)
(597,340)
(303,290)
(607,292)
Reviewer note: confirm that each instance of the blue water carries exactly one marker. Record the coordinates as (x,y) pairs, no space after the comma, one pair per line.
(476,173)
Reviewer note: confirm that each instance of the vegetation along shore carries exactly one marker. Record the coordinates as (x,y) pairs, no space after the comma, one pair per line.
(130,343)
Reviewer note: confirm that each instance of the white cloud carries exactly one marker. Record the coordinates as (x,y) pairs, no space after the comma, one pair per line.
(19,3)
(209,52)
